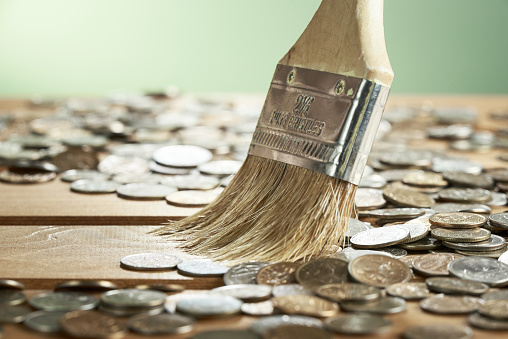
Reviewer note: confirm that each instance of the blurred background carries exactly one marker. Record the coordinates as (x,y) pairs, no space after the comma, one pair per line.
(97,47)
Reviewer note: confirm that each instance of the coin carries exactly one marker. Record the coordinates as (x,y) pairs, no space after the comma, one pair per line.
(349,253)
(438,331)
(170,288)
(449,285)
(441,165)
(94,187)
(379,270)
(76,158)
(14,314)
(245,292)
(259,308)
(451,304)
(497,199)
(172,300)
(383,305)
(496,295)
(85,285)
(486,270)
(192,198)
(244,273)
(461,234)
(458,220)
(29,173)
(202,268)
(495,242)
(277,274)
(11,284)
(114,164)
(407,198)
(499,220)
(503,258)
(348,291)
(496,309)
(265,324)
(182,156)
(225,334)
(450,132)
(92,324)
(142,191)
(155,167)
(426,243)
(133,298)
(10,297)
(357,324)
(409,291)
(409,158)
(322,271)
(146,178)
(498,174)
(424,179)
(489,254)
(457,207)
(369,198)
(44,321)
(416,231)
(380,237)
(162,323)
(372,181)
(192,182)
(78,174)
(63,301)
(396,213)
(465,195)
(150,262)
(220,168)
(486,323)
(297,331)
(462,179)
(209,306)
(395,174)
(305,305)
(434,264)
(290,289)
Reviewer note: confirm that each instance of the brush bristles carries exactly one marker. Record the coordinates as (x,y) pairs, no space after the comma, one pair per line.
(271,211)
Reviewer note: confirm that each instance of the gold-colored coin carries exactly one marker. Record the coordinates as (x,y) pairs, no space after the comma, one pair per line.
(348,291)
(379,270)
(278,274)
(407,198)
(497,309)
(424,179)
(305,305)
(458,220)
(93,324)
(461,235)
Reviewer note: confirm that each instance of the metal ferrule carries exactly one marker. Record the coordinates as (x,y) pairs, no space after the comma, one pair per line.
(321,121)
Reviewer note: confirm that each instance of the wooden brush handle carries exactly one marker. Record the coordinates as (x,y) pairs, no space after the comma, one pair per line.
(345,37)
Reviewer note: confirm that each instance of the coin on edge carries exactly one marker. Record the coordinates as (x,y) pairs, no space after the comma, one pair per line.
(208,306)
(150,261)
(162,323)
(348,291)
(305,305)
(451,304)
(361,323)
(409,290)
(202,268)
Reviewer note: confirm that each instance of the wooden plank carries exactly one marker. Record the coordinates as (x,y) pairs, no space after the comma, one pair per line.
(42,256)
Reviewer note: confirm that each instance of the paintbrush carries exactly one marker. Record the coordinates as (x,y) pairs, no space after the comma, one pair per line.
(294,195)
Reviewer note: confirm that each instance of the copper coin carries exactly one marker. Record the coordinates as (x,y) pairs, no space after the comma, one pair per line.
(434,264)
(278,274)
(321,272)
(379,270)
(93,324)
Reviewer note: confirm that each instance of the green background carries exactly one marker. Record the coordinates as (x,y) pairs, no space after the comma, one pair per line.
(90,47)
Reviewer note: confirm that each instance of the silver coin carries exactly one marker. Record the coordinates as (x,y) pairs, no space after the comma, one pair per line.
(451,304)
(441,165)
(290,289)
(131,298)
(495,242)
(182,156)
(497,199)
(499,220)
(417,231)
(450,132)
(85,140)
(142,191)
(128,178)
(349,291)
(396,213)
(503,258)
(383,305)
(209,306)
(114,164)
(63,301)
(10,297)
(369,198)
(127,312)
(220,168)
(408,158)
(76,174)
(14,314)
(172,300)
(85,285)
(486,270)
(409,290)
(265,324)
(192,182)
(244,273)
(225,334)
(150,261)
(247,293)
(395,252)
(450,285)
(202,268)
(357,324)
(496,295)
(451,115)
(438,331)
(130,150)
(456,207)
(465,195)
(155,167)
(426,243)
(162,323)
(11,284)
(372,181)
(192,198)
(480,321)
(349,253)
(355,226)
(44,321)
(94,187)
(459,178)
(259,308)
(380,237)
(395,174)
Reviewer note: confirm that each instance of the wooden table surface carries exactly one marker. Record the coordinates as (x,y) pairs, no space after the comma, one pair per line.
(50,234)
